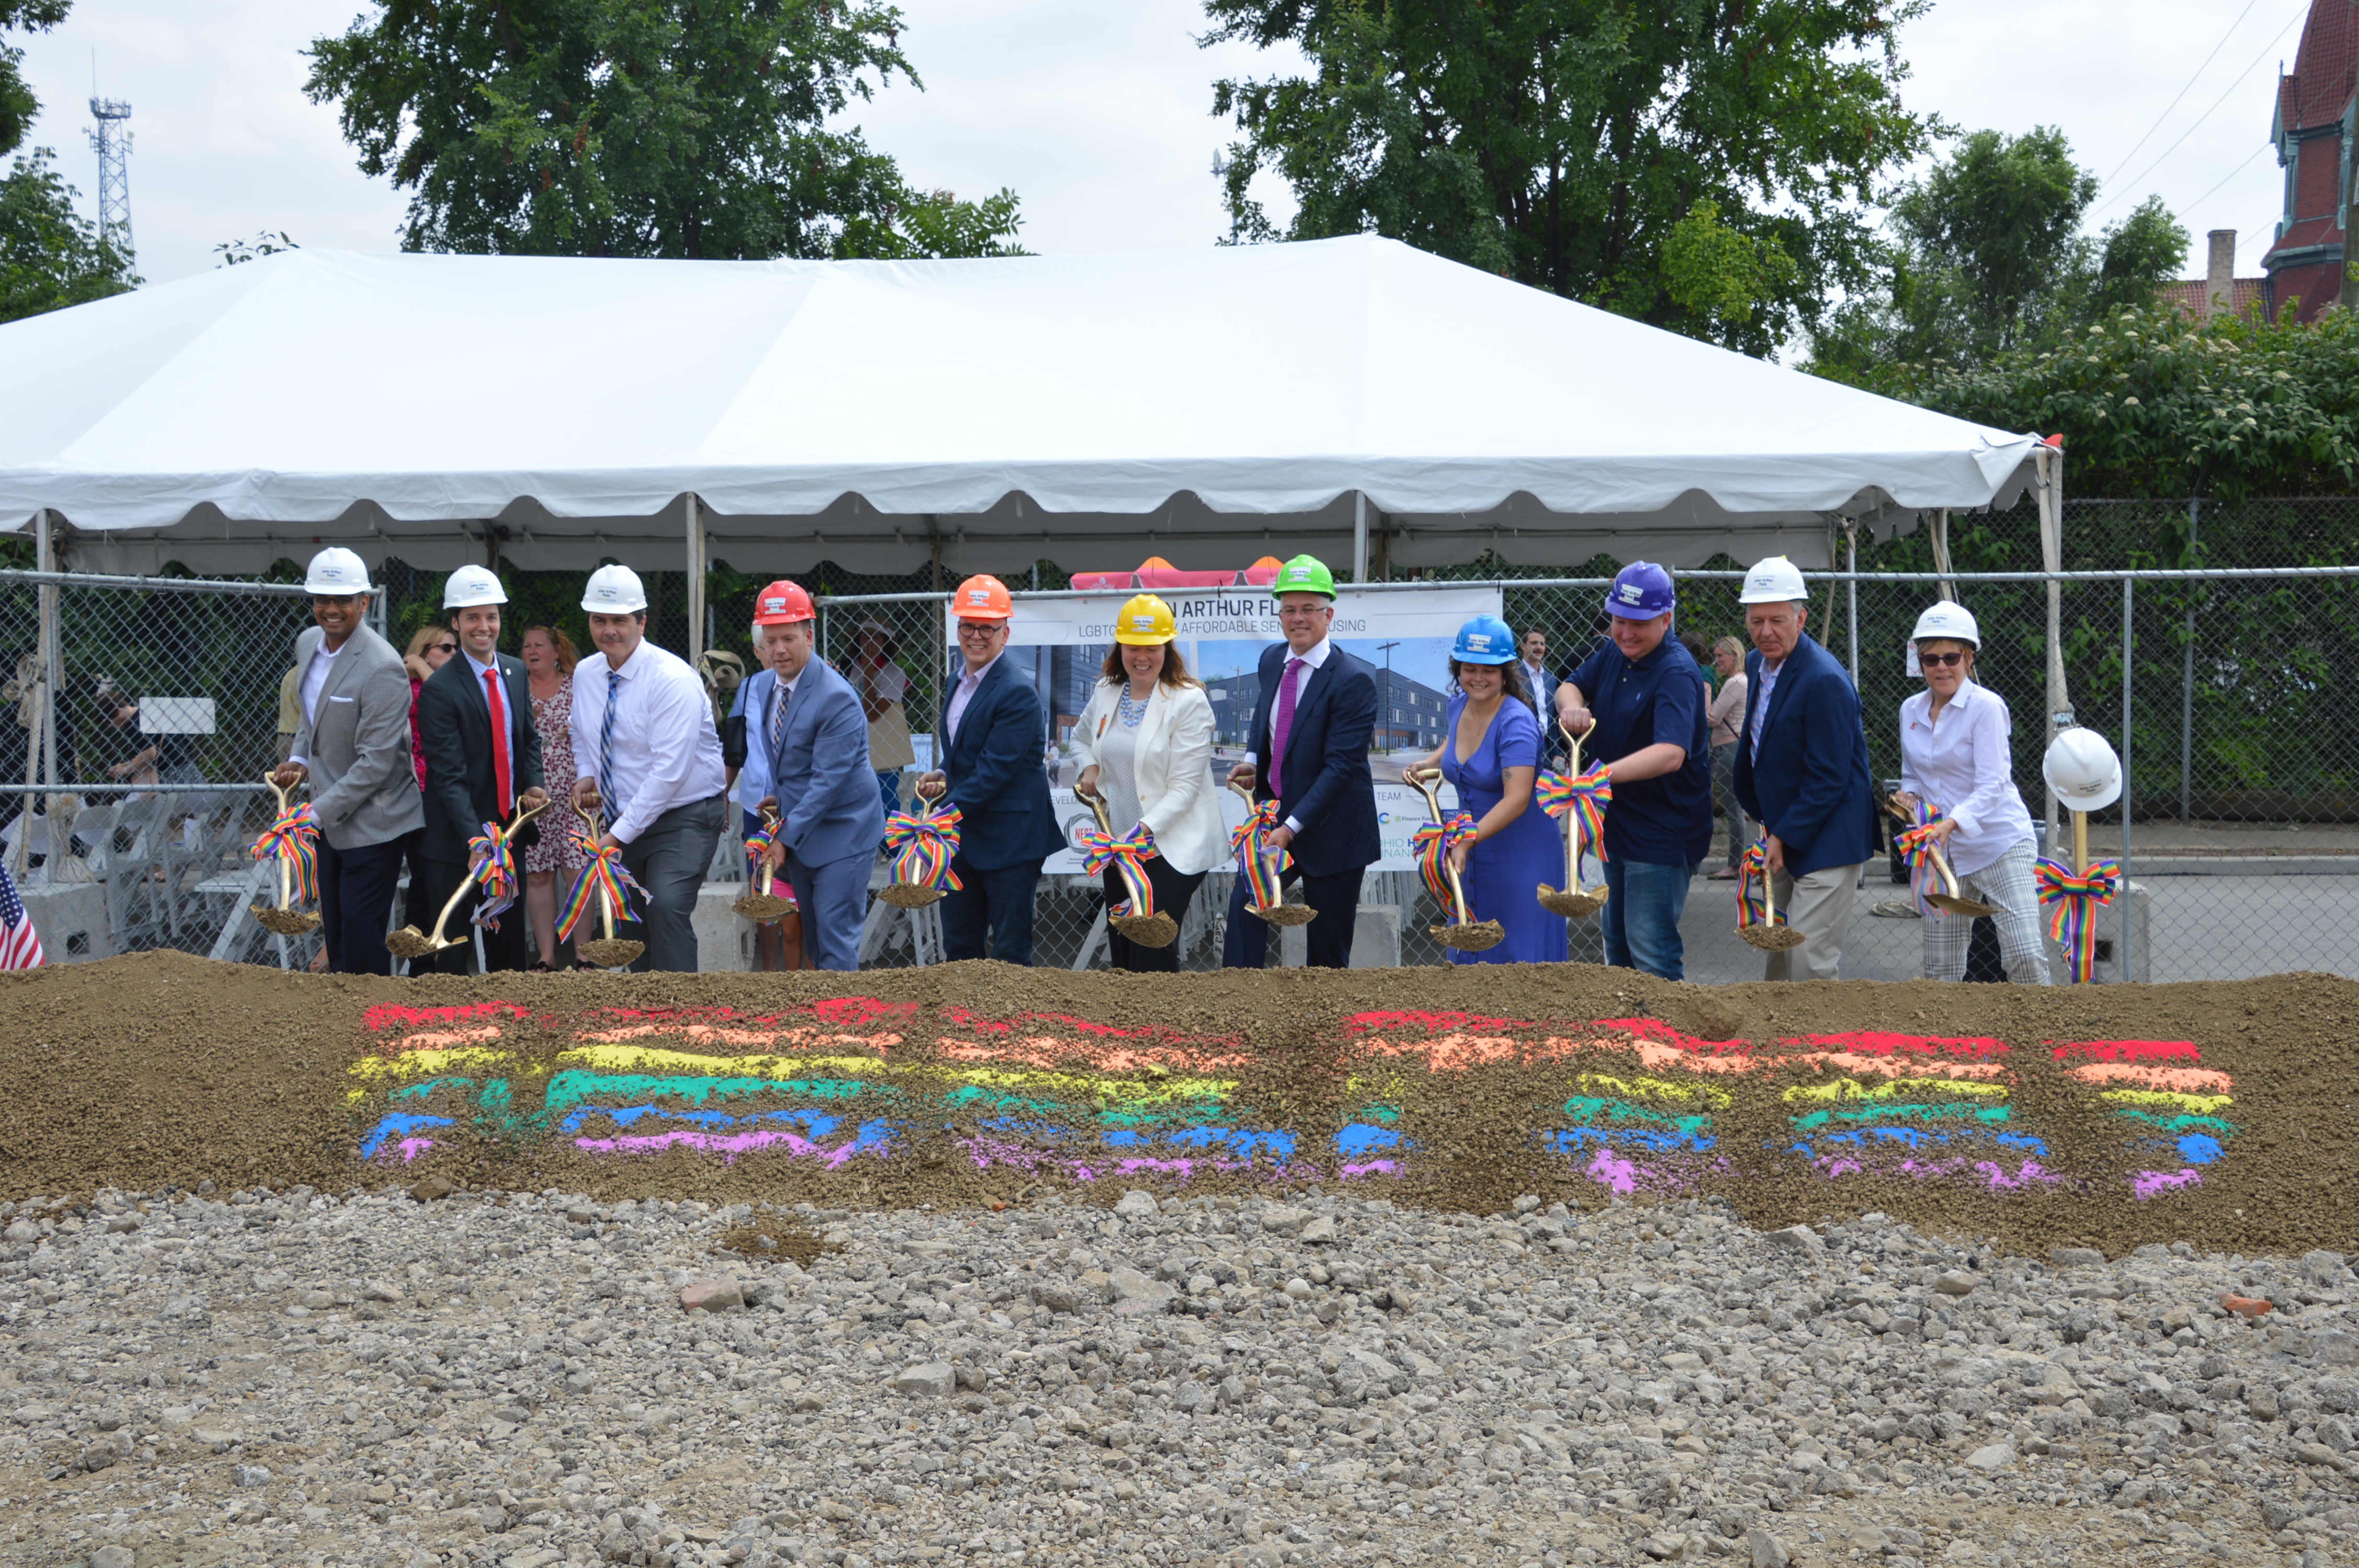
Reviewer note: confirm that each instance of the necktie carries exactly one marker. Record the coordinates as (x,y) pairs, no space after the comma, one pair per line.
(501,778)
(1282,724)
(606,747)
(777,718)
(1760,716)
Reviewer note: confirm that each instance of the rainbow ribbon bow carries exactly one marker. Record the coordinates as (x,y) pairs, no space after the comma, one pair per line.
(1753,887)
(2077,896)
(604,878)
(1261,868)
(497,872)
(922,847)
(294,836)
(1130,851)
(757,846)
(1916,846)
(1586,796)
(1431,843)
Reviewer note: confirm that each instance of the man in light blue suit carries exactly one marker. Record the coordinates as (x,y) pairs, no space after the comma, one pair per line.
(808,719)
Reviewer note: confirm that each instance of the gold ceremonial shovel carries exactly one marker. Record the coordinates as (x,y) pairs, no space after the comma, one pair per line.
(1769,937)
(1955,900)
(413,944)
(1281,912)
(1465,934)
(762,906)
(1156,930)
(284,920)
(607,953)
(1572,903)
(914,896)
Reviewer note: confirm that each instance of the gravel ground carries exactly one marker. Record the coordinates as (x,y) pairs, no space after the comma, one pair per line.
(375,1379)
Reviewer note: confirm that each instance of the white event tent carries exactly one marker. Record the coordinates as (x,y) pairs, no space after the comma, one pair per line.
(1355,397)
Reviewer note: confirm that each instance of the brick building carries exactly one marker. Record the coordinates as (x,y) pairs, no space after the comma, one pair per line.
(2313,131)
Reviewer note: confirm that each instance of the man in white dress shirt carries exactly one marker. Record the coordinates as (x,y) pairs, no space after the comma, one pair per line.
(645,744)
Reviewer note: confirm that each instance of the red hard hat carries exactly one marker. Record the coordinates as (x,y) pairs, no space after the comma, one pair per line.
(781,603)
(982,597)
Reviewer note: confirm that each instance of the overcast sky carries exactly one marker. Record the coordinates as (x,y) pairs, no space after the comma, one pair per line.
(1097,112)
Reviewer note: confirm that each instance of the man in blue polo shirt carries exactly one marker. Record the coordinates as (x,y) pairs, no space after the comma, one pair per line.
(1640,700)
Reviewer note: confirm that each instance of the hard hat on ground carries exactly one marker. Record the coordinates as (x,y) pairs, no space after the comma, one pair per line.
(471,586)
(2082,770)
(781,604)
(613,591)
(1486,640)
(1641,591)
(336,573)
(1945,620)
(982,597)
(1304,574)
(1145,621)
(1772,580)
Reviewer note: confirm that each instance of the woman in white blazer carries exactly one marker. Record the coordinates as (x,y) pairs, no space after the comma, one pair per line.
(1146,742)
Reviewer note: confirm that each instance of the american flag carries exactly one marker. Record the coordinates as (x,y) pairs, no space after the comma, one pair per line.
(20,945)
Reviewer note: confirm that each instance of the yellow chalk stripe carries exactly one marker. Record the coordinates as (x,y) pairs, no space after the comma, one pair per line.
(1897,1088)
(1391,1089)
(2201,1105)
(1125,1090)
(647,1058)
(473,1061)
(1654,1088)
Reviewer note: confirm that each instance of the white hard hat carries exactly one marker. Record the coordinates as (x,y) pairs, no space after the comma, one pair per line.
(471,586)
(2082,770)
(1771,581)
(613,591)
(336,573)
(1952,621)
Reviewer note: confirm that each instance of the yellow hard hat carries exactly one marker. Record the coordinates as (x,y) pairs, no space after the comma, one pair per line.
(1145,622)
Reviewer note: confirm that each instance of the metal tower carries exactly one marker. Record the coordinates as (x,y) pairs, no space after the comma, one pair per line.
(110,139)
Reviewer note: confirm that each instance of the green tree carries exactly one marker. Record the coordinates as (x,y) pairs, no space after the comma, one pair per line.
(1986,254)
(1575,145)
(935,223)
(50,257)
(17,104)
(695,128)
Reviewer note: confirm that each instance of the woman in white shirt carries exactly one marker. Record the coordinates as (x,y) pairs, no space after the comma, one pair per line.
(1954,756)
(1146,738)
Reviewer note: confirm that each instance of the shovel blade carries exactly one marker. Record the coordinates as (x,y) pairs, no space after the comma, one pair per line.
(1771,938)
(284,922)
(762,908)
(411,943)
(1286,913)
(909,895)
(611,954)
(1959,905)
(1475,937)
(1156,930)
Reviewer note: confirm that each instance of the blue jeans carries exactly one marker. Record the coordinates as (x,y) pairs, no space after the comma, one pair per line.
(888,789)
(1641,916)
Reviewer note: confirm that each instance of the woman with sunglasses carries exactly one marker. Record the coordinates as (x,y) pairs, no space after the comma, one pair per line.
(1955,757)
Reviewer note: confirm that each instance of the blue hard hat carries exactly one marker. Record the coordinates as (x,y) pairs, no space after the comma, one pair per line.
(1486,640)
(1641,591)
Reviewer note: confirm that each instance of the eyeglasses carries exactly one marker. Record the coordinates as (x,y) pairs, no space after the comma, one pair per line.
(1956,657)
(446,647)
(984,629)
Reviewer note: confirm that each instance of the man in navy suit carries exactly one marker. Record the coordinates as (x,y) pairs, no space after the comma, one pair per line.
(1315,721)
(1801,771)
(808,719)
(992,738)
(483,762)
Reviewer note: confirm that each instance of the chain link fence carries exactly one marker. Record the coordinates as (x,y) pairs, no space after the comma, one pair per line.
(2240,825)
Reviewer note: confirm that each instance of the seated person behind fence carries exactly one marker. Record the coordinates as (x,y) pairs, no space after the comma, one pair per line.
(1146,738)
(989,746)
(162,758)
(777,945)
(1955,757)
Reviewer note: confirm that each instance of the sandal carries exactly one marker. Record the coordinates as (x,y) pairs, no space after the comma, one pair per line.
(1725,874)
(542,968)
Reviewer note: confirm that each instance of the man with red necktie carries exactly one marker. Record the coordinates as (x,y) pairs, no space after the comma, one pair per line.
(483,762)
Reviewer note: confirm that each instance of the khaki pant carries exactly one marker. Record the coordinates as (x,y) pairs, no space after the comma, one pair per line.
(1819,906)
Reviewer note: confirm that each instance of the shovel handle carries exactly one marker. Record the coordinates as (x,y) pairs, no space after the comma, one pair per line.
(1105,826)
(1571,818)
(285,873)
(769,877)
(1424,779)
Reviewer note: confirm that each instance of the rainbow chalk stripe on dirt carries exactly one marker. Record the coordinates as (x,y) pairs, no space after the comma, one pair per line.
(1923,1106)
(2173,1105)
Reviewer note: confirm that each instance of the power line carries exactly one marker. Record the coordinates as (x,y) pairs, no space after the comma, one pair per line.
(2225,178)
(2207,114)
(2167,108)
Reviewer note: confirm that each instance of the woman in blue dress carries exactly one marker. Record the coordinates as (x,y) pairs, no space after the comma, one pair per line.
(1491,750)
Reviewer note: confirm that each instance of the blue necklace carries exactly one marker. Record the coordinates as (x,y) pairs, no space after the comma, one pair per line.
(1132,710)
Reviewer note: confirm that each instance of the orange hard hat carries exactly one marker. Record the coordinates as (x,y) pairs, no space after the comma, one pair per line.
(782,602)
(982,597)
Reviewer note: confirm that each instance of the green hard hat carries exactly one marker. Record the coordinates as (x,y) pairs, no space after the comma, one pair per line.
(1304,574)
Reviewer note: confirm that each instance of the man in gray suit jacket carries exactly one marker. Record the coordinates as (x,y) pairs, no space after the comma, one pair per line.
(810,720)
(353,743)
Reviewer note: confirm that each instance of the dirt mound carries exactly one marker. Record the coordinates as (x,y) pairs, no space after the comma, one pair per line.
(2218,1113)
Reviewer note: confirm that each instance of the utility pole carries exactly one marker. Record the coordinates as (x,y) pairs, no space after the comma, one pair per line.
(110,139)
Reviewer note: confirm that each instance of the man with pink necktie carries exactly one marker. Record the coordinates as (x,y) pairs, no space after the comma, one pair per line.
(1315,721)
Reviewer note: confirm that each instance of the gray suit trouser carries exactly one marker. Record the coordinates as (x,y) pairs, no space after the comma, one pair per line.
(669,861)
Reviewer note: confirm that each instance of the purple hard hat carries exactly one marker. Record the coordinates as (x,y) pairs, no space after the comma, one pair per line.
(1641,591)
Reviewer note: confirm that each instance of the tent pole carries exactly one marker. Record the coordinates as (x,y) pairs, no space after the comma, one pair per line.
(695,580)
(2049,469)
(1359,535)
(1941,553)
(53,659)
(1850,541)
